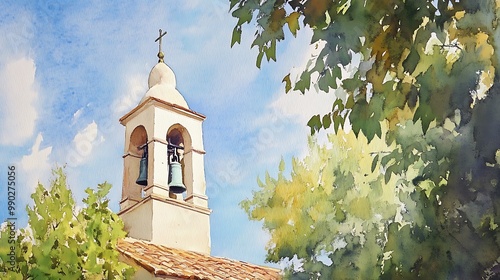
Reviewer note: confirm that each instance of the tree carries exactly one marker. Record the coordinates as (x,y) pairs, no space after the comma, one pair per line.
(342,216)
(426,84)
(329,200)
(63,242)
(411,53)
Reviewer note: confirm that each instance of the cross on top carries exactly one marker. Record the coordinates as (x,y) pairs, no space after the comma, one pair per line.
(160,53)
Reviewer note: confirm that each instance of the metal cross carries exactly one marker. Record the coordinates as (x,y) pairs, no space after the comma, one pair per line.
(159,39)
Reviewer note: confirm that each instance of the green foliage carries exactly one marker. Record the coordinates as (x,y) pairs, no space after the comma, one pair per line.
(424,201)
(65,243)
(330,198)
(374,212)
(409,51)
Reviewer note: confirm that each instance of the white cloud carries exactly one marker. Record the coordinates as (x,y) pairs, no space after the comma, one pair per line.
(135,90)
(285,120)
(18,96)
(17,32)
(89,133)
(301,107)
(298,108)
(280,130)
(35,166)
(83,144)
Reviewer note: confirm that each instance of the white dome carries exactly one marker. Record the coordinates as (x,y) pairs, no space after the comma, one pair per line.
(162,84)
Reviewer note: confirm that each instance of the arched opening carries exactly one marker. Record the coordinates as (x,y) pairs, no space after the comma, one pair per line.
(180,145)
(138,138)
(132,160)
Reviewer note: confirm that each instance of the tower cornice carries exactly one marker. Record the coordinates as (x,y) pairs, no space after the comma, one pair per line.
(162,104)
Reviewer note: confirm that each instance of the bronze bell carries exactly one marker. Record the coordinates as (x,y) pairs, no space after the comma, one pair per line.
(175,184)
(143,169)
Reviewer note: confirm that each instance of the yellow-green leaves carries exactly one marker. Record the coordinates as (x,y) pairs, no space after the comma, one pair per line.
(288,83)
(361,208)
(293,22)
(329,197)
(282,165)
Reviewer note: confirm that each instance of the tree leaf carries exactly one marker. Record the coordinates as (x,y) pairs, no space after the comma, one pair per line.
(314,123)
(259,59)
(374,163)
(288,83)
(271,51)
(365,117)
(236,38)
(305,81)
(282,165)
(293,22)
(327,120)
(424,113)
(244,14)
(351,84)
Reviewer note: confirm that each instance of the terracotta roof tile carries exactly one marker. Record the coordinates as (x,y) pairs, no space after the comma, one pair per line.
(164,261)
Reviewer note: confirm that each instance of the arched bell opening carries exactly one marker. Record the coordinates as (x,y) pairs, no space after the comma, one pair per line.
(138,138)
(179,142)
(136,166)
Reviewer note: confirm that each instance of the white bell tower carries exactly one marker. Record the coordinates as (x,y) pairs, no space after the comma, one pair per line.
(164,126)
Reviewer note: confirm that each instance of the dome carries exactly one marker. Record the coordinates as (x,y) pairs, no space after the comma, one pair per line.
(161,83)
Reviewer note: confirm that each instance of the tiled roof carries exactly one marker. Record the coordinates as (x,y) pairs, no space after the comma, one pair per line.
(164,261)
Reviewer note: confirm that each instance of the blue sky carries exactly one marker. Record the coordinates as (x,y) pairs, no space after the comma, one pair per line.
(69,71)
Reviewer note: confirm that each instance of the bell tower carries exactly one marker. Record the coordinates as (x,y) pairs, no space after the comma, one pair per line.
(163,194)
